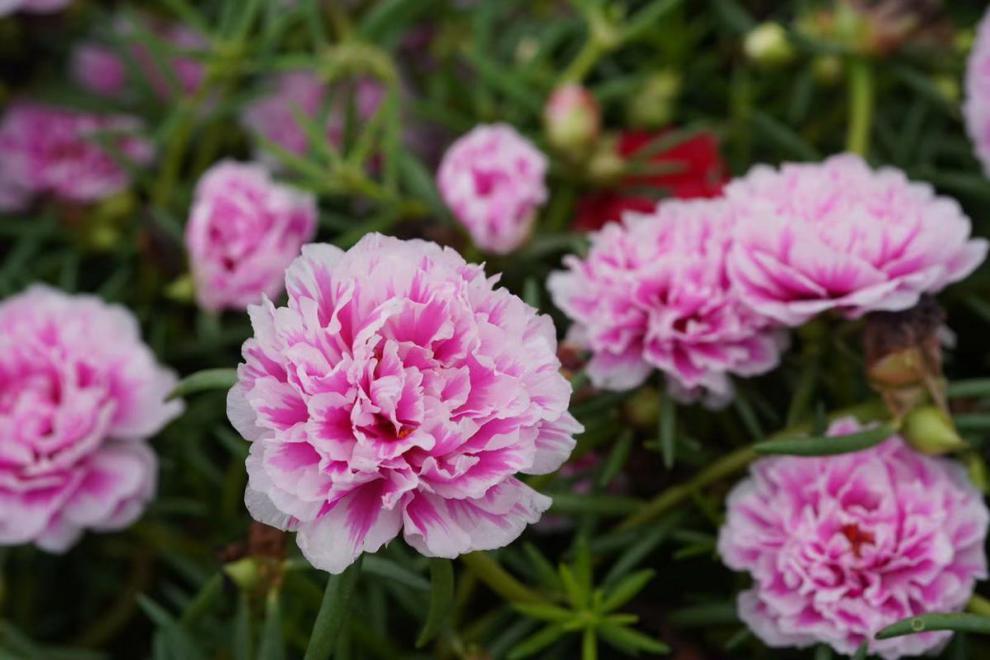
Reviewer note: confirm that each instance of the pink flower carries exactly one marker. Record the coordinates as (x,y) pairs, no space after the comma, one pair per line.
(653,293)
(101,69)
(841,546)
(398,391)
(33,6)
(274,115)
(838,235)
(493,181)
(79,396)
(98,69)
(243,232)
(49,150)
(976,108)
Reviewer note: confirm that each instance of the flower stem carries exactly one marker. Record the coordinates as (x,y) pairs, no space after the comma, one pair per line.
(861,95)
(333,613)
(498,579)
(730,464)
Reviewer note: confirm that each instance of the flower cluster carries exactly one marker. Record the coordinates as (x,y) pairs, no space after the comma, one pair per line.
(493,181)
(842,546)
(697,289)
(53,151)
(243,231)
(398,391)
(79,395)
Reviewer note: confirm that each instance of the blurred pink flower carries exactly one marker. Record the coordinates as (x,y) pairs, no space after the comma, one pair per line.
(839,235)
(32,6)
(49,150)
(976,108)
(79,396)
(653,293)
(492,179)
(398,391)
(273,116)
(841,546)
(100,69)
(243,232)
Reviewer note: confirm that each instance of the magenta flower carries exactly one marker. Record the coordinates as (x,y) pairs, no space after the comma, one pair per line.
(274,115)
(841,546)
(32,6)
(101,70)
(398,391)
(79,396)
(839,235)
(493,181)
(976,108)
(49,150)
(243,232)
(653,293)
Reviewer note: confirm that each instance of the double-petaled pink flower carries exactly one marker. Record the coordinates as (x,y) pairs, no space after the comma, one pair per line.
(841,546)
(976,108)
(80,394)
(493,181)
(653,293)
(399,391)
(301,95)
(46,150)
(839,235)
(243,232)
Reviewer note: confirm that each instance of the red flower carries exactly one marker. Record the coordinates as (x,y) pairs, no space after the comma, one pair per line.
(699,172)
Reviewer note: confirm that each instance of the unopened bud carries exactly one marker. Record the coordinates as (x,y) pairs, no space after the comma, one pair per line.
(931,431)
(827,69)
(976,468)
(653,106)
(181,289)
(244,573)
(606,165)
(643,408)
(572,119)
(948,87)
(768,45)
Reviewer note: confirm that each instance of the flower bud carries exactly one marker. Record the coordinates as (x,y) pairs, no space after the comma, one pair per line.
(245,573)
(931,431)
(606,166)
(827,69)
(572,119)
(654,104)
(768,45)
(643,408)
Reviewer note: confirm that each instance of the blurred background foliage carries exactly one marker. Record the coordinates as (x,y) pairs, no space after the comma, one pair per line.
(194,578)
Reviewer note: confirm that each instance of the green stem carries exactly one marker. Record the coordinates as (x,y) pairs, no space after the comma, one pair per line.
(498,579)
(583,62)
(333,613)
(730,464)
(861,95)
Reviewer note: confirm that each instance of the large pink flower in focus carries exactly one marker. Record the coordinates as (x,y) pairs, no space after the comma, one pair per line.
(842,546)
(976,108)
(399,390)
(243,232)
(839,235)
(79,396)
(49,150)
(493,180)
(653,293)
(274,116)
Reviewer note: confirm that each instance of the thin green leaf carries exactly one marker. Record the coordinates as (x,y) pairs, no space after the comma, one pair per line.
(626,590)
(390,570)
(668,429)
(544,612)
(536,643)
(826,445)
(617,458)
(631,641)
(957,622)
(272,645)
(333,613)
(441,599)
(203,381)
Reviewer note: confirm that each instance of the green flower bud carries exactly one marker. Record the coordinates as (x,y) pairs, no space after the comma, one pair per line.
(768,45)
(931,431)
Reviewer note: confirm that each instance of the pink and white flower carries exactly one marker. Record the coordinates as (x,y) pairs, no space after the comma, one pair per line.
(399,391)
(274,116)
(842,546)
(653,293)
(55,151)
(976,108)
(492,179)
(80,394)
(243,232)
(839,235)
